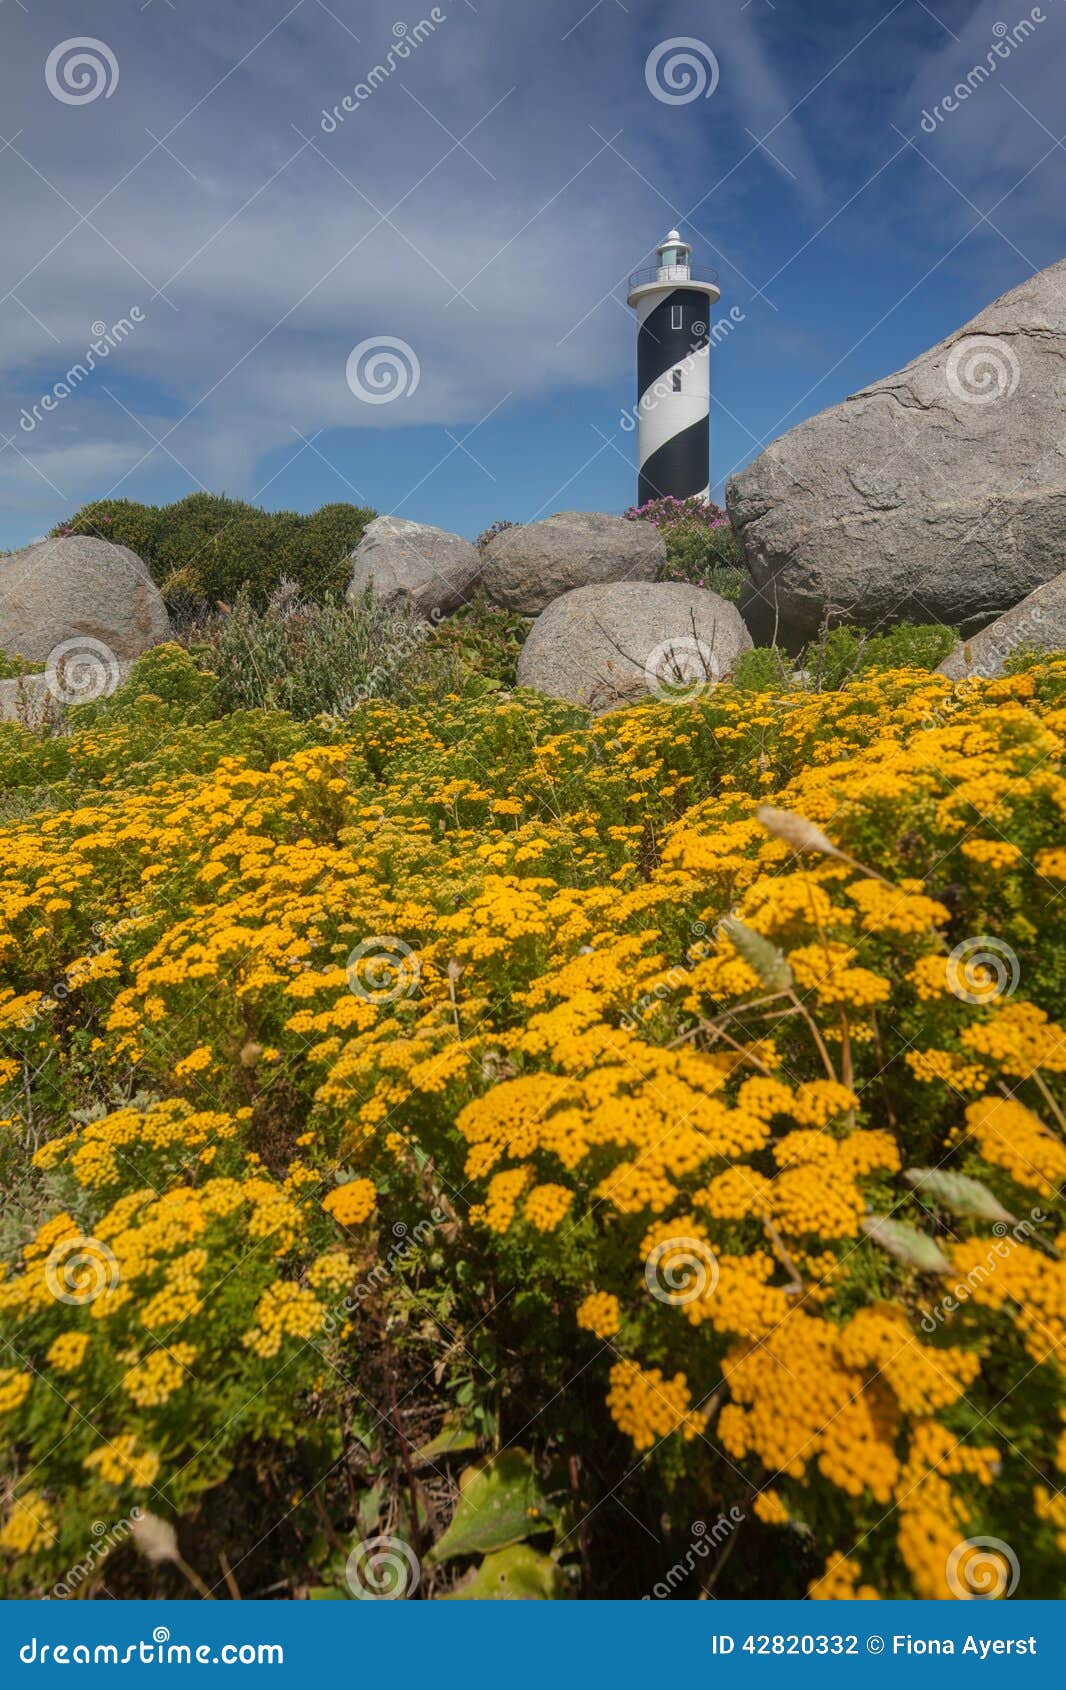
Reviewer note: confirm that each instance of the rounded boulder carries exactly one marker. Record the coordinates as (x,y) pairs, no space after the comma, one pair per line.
(78,591)
(414,564)
(527,567)
(604,646)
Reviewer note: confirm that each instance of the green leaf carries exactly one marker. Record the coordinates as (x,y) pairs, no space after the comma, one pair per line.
(906,1244)
(326,1593)
(499,1504)
(517,1574)
(957,1192)
(450,1440)
(368,1506)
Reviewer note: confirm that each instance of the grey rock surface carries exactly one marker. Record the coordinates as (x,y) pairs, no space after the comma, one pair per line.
(937,494)
(526,567)
(412,563)
(78,589)
(1040,620)
(618,642)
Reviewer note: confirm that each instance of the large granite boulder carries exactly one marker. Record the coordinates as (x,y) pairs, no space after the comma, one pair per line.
(410,563)
(80,594)
(1040,620)
(613,644)
(937,494)
(526,567)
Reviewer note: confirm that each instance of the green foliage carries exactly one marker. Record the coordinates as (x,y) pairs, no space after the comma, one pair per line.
(307,658)
(701,547)
(499,1504)
(840,655)
(310,658)
(765,669)
(706,557)
(208,547)
(482,639)
(518,1574)
(12,666)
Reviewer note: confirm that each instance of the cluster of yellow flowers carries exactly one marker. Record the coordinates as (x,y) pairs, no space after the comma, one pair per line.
(351,1203)
(679,1064)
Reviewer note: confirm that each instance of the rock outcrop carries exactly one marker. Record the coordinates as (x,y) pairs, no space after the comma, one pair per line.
(412,563)
(937,494)
(79,593)
(1039,621)
(528,566)
(613,644)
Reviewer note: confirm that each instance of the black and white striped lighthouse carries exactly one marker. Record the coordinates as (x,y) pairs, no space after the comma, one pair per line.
(673,374)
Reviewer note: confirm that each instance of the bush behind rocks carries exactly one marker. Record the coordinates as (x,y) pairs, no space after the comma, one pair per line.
(701,547)
(208,547)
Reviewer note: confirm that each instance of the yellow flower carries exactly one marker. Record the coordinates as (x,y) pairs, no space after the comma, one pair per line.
(30,1525)
(14,1388)
(546,1206)
(352,1203)
(647,1407)
(283,1311)
(67,1352)
(153,1381)
(991,853)
(121,1461)
(600,1313)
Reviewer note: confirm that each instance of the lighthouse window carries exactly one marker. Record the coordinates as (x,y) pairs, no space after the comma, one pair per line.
(677,381)
(675,317)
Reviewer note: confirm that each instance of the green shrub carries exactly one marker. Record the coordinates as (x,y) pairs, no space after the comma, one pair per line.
(701,547)
(839,655)
(306,658)
(207,547)
(482,639)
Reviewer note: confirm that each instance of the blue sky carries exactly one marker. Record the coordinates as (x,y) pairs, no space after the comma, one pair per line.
(483,203)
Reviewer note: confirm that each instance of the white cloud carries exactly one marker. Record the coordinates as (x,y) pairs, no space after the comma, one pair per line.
(274,263)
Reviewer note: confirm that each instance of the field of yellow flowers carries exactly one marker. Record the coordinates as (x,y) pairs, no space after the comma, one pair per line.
(527,1141)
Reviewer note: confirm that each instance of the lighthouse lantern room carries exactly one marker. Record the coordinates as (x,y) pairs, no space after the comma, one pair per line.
(673,373)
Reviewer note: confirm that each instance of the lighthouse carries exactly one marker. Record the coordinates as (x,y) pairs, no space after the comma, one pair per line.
(673,373)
